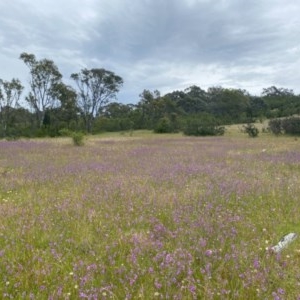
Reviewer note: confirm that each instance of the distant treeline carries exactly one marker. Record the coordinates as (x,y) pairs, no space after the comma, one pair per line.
(52,108)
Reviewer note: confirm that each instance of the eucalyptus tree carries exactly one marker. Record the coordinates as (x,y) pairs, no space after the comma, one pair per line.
(68,110)
(195,100)
(149,109)
(273,91)
(230,105)
(44,78)
(96,87)
(281,102)
(10,92)
(64,115)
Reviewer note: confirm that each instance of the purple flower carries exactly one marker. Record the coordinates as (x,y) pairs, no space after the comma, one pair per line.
(157,284)
(208,252)
(192,289)
(280,291)
(256,263)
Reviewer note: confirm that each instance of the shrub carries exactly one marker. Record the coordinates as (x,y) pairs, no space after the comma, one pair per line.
(163,126)
(275,126)
(78,138)
(200,127)
(251,130)
(291,125)
(65,132)
(288,125)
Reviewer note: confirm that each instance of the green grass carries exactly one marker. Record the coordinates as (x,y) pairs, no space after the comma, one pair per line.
(146,216)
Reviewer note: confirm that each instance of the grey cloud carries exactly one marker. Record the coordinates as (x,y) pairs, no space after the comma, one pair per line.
(161,44)
(203,32)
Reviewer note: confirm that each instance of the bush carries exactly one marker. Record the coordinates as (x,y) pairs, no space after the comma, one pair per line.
(65,132)
(202,127)
(251,130)
(41,132)
(78,138)
(291,125)
(275,126)
(163,126)
(288,126)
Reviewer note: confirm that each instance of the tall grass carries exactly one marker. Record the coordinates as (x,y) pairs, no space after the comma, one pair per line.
(149,218)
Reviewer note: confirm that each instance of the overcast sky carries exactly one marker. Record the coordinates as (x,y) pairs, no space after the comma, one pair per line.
(158,44)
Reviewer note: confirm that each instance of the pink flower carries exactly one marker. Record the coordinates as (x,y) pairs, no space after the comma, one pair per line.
(208,252)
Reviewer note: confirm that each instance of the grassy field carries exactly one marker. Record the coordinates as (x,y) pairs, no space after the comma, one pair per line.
(146,216)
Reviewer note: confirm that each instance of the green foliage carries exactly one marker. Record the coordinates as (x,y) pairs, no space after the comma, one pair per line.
(10,92)
(96,87)
(89,108)
(105,124)
(231,105)
(291,125)
(78,138)
(65,132)
(275,126)
(67,114)
(44,78)
(41,132)
(281,102)
(204,125)
(164,125)
(251,130)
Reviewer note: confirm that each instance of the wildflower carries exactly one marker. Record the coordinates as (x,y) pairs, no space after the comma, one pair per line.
(157,284)
(280,291)
(208,252)
(256,264)
(133,280)
(156,294)
(202,242)
(192,289)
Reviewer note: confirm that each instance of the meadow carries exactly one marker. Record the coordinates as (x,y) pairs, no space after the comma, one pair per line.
(149,217)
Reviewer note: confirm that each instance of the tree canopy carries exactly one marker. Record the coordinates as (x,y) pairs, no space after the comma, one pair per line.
(44,78)
(96,87)
(92,106)
(10,92)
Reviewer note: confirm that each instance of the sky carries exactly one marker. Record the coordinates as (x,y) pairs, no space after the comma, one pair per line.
(163,45)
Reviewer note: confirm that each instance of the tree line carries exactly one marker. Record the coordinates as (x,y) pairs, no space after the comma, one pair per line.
(53,108)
